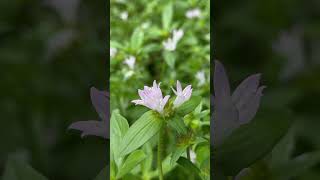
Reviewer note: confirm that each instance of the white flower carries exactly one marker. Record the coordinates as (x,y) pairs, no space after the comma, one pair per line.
(152,98)
(182,95)
(124,16)
(201,78)
(193,156)
(113,51)
(130,61)
(193,13)
(171,43)
(177,34)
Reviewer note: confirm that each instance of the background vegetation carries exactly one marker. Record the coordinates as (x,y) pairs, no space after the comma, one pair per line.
(51,53)
(279,39)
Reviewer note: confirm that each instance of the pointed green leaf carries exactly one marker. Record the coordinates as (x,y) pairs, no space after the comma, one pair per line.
(167,14)
(188,165)
(131,162)
(119,127)
(178,124)
(140,132)
(137,39)
(251,142)
(178,151)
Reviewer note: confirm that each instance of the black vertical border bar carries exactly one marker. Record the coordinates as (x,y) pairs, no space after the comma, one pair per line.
(108,77)
(211,85)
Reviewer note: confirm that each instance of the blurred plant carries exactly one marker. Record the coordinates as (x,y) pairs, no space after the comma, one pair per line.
(100,101)
(232,111)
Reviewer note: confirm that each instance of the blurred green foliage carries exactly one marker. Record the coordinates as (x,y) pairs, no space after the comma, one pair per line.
(281,40)
(51,53)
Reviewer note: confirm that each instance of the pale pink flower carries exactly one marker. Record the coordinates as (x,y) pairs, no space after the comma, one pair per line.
(182,95)
(152,98)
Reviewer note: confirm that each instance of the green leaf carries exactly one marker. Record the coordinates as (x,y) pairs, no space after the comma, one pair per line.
(169,58)
(147,163)
(177,124)
(282,152)
(188,106)
(296,166)
(140,132)
(20,170)
(177,153)
(131,162)
(119,127)
(104,174)
(137,39)
(167,14)
(251,142)
(186,163)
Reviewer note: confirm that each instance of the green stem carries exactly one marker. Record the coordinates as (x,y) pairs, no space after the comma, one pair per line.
(188,153)
(160,149)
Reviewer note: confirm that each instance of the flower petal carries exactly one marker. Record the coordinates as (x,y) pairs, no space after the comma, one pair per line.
(247,112)
(100,101)
(248,86)
(226,114)
(179,88)
(95,128)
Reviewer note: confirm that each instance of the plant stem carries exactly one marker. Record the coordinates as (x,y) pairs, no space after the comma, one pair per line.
(160,148)
(188,153)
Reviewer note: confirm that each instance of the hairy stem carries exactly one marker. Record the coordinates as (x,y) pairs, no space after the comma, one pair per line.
(160,150)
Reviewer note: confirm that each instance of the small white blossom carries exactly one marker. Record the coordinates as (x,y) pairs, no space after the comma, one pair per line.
(193,13)
(130,61)
(193,156)
(177,34)
(113,51)
(152,98)
(182,95)
(201,78)
(124,16)
(171,43)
